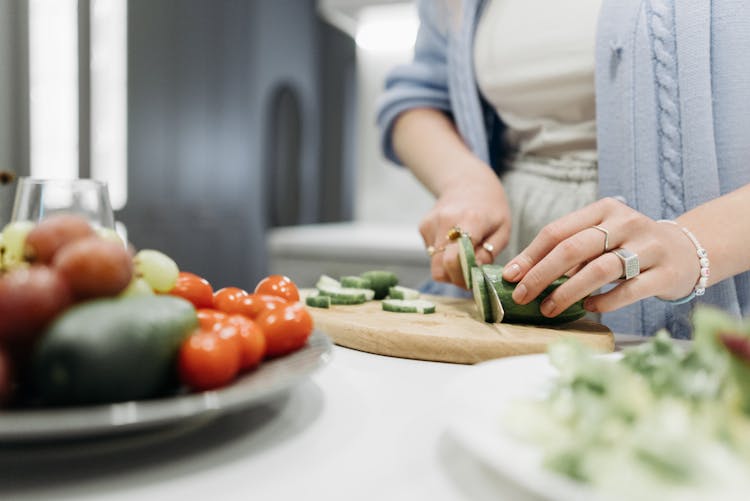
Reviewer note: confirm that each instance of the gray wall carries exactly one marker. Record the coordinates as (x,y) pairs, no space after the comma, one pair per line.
(13,97)
(201,77)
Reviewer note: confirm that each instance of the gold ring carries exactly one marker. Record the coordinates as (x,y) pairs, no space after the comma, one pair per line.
(432,250)
(606,237)
(454,233)
(488,247)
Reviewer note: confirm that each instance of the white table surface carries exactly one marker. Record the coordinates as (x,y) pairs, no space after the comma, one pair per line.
(365,427)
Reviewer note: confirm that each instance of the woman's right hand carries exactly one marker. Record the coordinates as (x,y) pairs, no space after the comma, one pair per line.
(476,203)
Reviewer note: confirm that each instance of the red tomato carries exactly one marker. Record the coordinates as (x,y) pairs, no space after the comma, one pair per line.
(286,328)
(208,317)
(253,305)
(278,285)
(195,289)
(226,297)
(208,360)
(252,342)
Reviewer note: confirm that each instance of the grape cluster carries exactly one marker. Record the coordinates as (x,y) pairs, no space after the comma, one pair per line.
(62,260)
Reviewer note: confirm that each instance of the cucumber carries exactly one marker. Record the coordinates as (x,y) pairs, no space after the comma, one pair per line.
(380,281)
(466,258)
(356,282)
(481,295)
(112,350)
(346,295)
(401,292)
(318,301)
(326,281)
(527,313)
(497,312)
(408,306)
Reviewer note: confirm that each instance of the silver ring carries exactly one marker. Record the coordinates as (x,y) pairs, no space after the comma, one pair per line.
(631,267)
(488,247)
(606,237)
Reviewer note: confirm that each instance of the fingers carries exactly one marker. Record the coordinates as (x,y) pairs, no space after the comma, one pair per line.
(603,270)
(558,231)
(487,250)
(626,293)
(583,246)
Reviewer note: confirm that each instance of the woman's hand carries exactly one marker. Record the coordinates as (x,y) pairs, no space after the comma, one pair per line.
(669,267)
(476,203)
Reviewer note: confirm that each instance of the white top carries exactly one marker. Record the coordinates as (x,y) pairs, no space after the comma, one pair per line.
(534,62)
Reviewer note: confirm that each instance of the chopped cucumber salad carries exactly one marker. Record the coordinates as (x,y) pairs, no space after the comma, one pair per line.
(663,420)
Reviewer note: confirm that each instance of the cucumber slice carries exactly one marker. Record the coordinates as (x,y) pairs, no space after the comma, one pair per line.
(326,281)
(400,292)
(356,282)
(318,301)
(346,295)
(408,306)
(497,313)
(380,281)
(466,257)
(481,297)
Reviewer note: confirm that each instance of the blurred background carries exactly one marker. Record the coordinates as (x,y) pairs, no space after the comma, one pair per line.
(237,136)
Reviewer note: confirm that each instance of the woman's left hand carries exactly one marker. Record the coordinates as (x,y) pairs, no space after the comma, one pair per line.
(669,267)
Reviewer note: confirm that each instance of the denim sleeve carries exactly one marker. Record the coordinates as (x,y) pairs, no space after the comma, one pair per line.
(422,83)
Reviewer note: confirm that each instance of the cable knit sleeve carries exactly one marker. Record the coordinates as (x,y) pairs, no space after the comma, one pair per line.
(422,83)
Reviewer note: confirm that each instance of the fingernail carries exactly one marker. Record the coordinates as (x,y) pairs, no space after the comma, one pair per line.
(548,307)
(588,305)
(511,272)
(520,293)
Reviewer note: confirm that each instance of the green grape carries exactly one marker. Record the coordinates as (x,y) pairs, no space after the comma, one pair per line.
(109,234)
(138,287)
(14,242)
(157,269)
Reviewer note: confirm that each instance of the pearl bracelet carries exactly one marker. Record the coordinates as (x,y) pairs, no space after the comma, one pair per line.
(705,264)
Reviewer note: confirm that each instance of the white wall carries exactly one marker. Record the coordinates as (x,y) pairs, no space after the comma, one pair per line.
(385,192)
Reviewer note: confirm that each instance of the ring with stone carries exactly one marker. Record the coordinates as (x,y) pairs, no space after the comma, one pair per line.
(488,247)
(454,233)
(630,265)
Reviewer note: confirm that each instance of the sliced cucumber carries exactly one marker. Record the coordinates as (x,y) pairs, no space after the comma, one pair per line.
(481,296)
(326,281)
(466,257)
(318,301)
(408,306)
(497,313)
(346,295)
(380,281)
(356,282)
(401,292)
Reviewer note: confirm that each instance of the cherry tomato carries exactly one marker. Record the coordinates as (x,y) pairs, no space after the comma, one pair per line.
(208,317)
(286,328)
(208,360)
(195,289)
(252,342)
(278,285)
(253,305)
(226,297)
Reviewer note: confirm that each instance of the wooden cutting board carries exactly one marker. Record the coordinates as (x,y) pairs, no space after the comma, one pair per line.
(451,334)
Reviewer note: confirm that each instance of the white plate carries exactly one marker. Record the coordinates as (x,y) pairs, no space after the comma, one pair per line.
(270,380)
(476,404)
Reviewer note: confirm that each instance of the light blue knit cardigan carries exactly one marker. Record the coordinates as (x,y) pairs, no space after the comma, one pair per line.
(673,114)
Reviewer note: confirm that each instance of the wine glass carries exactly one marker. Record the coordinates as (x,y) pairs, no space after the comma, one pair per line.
(38,198)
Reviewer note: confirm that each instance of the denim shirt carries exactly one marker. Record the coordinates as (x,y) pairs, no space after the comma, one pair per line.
(673,114)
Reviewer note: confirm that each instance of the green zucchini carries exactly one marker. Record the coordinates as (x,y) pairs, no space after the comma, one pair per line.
(356,282)
(318,301)
(481,294)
